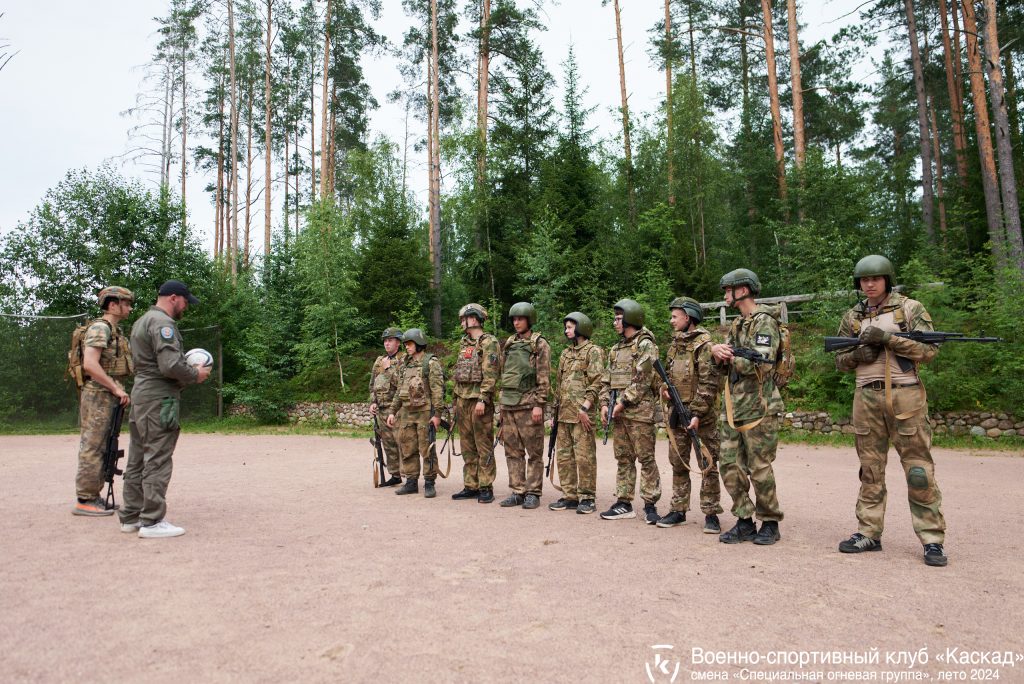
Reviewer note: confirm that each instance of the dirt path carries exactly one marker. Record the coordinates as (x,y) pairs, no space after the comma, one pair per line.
(294,568)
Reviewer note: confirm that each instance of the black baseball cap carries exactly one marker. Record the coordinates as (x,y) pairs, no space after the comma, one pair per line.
(176,287)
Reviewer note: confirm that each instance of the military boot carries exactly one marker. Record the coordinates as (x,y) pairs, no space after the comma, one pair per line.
(673,519)
(531,501)
(511,500)
(935,555)
(466,493)
(769,533)
(711,524)
(411,486)
(428,489)
(392,481)
(486,495)
(743,530)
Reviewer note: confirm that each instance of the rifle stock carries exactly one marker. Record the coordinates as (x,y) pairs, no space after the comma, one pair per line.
(612,398)
(378,458)
(551,449)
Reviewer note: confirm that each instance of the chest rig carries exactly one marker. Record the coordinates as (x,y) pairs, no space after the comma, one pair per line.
(682,364)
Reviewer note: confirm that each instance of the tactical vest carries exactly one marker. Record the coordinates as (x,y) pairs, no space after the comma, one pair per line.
(622,360)
(469,369)
(414,389)
(898,314)
(385,384)
(115,358)
(682,368)
(519,372)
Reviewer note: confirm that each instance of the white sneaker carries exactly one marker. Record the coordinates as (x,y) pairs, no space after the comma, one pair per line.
(160,529)
(131,527)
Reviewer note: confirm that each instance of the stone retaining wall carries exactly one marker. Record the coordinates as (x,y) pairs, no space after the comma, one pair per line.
(978,423)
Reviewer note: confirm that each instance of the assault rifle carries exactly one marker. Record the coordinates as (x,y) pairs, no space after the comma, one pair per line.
(111,454)
(751,355)
(682,416)
(551,449)
(432,441)
(612,398)
(923,336)
(378,457)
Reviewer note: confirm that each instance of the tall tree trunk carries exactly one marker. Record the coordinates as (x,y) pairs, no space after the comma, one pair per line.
(325,193)
(266,142)
(927,183)
(219,228)
(287,206)
(233,147)
(332,146)
(940,193)
(1011,103)
(625,119)
(669,105)
(248,182)
(312,133)
(483,75)
(1007,178)
(298,196)
(993,209)
(698,175)
(773,95)
(435,168)
(799,145)
(184,141)
(748,190)
(955,97)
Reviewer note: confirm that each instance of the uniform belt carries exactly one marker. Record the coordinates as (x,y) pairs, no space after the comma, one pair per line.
(879,385)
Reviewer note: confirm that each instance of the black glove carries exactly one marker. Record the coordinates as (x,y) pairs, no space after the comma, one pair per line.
(873,335)
(867,353)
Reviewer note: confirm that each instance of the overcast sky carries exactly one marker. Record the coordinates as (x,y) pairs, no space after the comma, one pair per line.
(79,66)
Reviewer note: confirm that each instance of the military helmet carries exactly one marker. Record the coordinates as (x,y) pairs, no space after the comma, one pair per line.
(116,292)
(874,265)
(392,332)
(524,309)
(584,326)
(689,305)
(741,276)
(415,335)
(474,310)
(632,312)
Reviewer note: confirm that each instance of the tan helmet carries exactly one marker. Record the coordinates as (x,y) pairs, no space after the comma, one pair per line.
(392,332)
(476,310)
(114,292)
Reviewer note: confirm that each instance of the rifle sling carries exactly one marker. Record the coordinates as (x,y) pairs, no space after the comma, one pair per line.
(675,445)
(888,391)
(728,409)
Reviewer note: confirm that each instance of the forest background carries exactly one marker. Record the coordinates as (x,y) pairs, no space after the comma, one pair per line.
(784,160)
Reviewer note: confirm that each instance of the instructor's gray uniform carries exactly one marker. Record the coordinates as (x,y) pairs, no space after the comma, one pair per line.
(160,374)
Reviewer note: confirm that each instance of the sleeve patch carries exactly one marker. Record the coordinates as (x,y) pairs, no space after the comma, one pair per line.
(763,340)
(167,333)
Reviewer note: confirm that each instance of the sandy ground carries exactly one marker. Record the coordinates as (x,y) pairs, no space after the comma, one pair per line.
(295,568)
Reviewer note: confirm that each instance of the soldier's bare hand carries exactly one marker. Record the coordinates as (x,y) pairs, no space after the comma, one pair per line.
(722,352)
(694,424)
(391,421)
(122,396)
(436,420)
(537,415)
(604,414)
(585,421)
(479,409)
(619,408)
(204,373)
(665,395)
(373,409)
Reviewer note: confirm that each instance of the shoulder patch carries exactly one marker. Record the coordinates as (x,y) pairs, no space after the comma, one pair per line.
(167,333)
(762,340)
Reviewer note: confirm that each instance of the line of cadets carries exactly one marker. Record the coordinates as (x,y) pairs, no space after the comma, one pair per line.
(409,390)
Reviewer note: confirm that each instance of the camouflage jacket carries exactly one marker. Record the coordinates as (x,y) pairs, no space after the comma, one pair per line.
(910,314)
(476,368)
(580,373)
(630,372)
(540,363)
(753,391)
(420,385)
(693,371)
(115,352)
(384,378)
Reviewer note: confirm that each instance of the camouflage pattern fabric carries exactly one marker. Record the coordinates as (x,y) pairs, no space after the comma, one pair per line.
(576,456)
(634,441)
(414,445)
(476,441)
(383,387)
(710,487)
(694,373)
(630,371)
(521,436)
(540,360)
(914,316)
(94,412)
(580,374)
(751,383)
(747,457)
(115,352)
(477,368)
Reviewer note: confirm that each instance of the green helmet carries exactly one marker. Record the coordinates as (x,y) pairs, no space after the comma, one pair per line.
(474,310)
(741,276)
(584,326)
(415,335)
(524,309)
(392,332)
(115,292)
(689,305)
(632,312)
(874,265)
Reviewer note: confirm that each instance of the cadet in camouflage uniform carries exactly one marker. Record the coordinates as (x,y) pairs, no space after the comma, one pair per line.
(750,421)
(694,374)
(525,377)
(161,373)
(416,404)
(476,377)
(383,386)
(630,374)
(577,395)
(107,363)
(890,404)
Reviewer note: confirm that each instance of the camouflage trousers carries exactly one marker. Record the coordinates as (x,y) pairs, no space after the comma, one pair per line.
(634,441)
(576,455)
(476,441)
(95,411)
(521,435)
(414,445)
(912,437)
(147,475)
(710,486)
(747,457)
(389,440)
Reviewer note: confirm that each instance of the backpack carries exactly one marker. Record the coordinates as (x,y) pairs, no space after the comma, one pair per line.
(75,355)
(785,361)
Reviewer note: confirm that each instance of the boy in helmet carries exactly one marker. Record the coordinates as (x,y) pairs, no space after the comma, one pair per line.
(577,394)
(525,378)
(890,404)
(630,375)
(694,374)
(106,363)
(420,395)
(750,430)
(383,386)
(476,377)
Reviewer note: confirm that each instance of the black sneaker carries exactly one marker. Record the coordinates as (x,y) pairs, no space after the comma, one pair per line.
(586,507)
(466,493)
(858,543)
(711,524)
(673,519)
(563,504)
(486,496)
(620,510)
(769,533)
(743,530)
(531,501)
(392,481)
(428,489)
(651,513)
(511,500)
(934,555)
(411,486)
